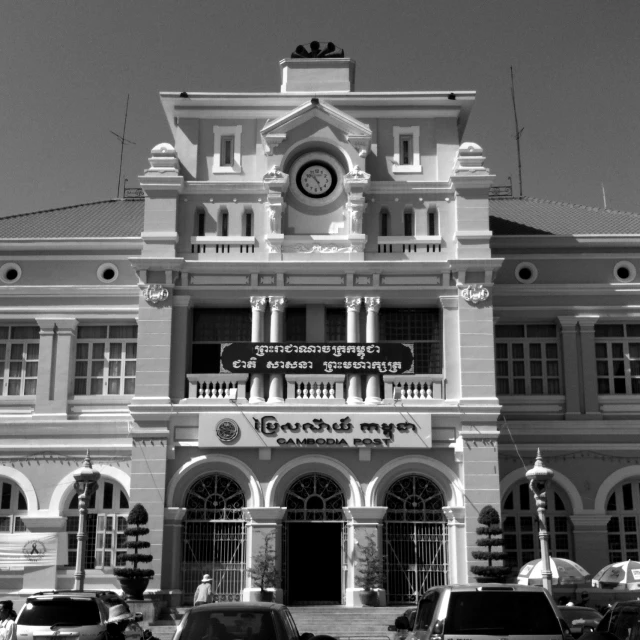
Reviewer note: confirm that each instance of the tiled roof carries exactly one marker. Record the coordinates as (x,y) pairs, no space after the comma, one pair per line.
(533,216)
(106,219)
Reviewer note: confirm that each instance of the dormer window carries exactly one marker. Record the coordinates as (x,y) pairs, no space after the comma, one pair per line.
(406,150)
(226,149)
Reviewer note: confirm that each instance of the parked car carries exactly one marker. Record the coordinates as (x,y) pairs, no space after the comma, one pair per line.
(580,619)
(80,614)
(621,622)
(240,621)
(479,610)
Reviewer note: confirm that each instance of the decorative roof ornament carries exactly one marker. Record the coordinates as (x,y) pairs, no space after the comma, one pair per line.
(317,49)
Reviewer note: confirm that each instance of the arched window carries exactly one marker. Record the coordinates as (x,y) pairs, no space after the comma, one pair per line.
(415,538)
(623,506)
(106,521)
(520,525)
(12,505)
(213,536)
(314,497)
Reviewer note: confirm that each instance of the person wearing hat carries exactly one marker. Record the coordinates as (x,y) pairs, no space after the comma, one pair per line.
(7,625)
(204,592)
(119,619)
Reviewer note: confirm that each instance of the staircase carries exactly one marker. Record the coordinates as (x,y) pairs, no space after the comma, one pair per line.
(347,622)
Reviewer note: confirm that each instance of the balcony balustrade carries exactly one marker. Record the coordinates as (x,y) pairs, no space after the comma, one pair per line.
(415,387)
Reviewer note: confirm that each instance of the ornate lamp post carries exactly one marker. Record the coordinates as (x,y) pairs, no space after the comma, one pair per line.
(539,478)
(86,484)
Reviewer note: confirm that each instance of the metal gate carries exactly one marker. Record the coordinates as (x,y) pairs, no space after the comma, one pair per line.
(415,539)
(213,538)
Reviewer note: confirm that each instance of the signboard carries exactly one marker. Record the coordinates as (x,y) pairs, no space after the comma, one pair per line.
(256,357)
(27,549)
(382,430)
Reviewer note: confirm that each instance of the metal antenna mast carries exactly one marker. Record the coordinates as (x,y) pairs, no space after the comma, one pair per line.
(123,141)
(518,133)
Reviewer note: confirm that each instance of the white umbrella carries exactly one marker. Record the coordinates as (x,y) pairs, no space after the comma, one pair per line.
(621,576)
(563,571)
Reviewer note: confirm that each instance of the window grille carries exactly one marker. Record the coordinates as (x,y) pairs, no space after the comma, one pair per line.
(19,350)
(314,497)
(527,360)
(106,360)
(295,324)
(336,325)
(618,358)
(520,526)
(623,532)
(406,149)
(420,327)
(226,151)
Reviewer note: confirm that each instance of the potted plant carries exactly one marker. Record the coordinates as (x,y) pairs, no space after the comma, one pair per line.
(264,571)
(370,571)
(134,580)
(490,533)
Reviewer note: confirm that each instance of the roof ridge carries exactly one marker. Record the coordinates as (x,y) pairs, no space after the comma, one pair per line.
(577,206)
(71,206)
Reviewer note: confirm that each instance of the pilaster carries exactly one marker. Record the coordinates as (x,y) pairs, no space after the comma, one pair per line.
(171,561)
(589,370)
(46,366)
(453,353)
(354,380)
(276,381)
(180,341)
(570,365)
(590,540)
(373,335)
(457,544)
(256,384)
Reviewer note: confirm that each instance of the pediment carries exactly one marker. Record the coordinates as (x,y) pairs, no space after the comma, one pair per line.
(276,131)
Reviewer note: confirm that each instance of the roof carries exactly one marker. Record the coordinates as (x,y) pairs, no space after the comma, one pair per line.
(534,216)
(104,219)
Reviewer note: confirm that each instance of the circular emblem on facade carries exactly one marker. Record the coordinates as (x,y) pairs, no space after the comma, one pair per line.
(227,430)
(34,550)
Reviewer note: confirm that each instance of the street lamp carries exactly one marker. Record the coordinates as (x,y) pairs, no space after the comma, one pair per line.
(539,478)
(86,485)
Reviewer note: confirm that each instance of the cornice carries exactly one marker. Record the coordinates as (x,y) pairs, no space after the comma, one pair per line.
(74,244)
(199,187)
(69,290)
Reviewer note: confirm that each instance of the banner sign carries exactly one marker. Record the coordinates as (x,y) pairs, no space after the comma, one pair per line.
(370,430)
(27,549)
(256,357)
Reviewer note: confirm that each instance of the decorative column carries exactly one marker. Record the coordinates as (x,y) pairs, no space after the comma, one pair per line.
(276,381)
(590,540)
(569,334)
(589,371)
(361,523)
(179,346)
(277,184)
(452,350)
(354,380)
(539,478)
(373,335)
(263,522)
(86,484)
(355,183)
(46,368)
(456,545)
(173,518)
(256,384)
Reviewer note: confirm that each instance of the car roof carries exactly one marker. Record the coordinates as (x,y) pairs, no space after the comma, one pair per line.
(487,586)
(240,606)
(576,607)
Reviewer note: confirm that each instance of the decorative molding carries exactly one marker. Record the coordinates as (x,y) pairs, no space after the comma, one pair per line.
(475,293)
(362,144)
(155,293)
(319,248)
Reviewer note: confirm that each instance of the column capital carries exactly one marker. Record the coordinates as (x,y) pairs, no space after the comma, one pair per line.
(372,304)
(258,303)
(277,303)
(365,515)
(174,515)
(592,522)
(454,515)
(39,521)
(182,301)
(449,302)
(568,323)
(588,324)
(265,515)
(353,303)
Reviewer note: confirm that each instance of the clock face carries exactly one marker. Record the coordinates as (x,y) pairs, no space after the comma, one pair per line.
(316,179)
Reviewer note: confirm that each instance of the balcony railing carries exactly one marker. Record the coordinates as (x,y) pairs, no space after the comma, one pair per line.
(415,387)
(217,386)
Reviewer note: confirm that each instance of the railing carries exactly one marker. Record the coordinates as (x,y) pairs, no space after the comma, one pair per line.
(217,386)
(409,244)
(326,387)
(223,244)
(415,387)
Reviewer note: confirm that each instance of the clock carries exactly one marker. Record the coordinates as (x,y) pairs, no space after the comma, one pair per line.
(316,178)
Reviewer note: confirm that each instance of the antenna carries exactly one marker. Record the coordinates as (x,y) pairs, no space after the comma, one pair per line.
(518,133)
(604,195)
(123,141)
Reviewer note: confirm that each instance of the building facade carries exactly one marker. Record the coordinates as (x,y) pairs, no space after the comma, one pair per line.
(315,330)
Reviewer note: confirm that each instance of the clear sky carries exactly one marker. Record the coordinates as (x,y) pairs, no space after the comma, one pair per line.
(66,69)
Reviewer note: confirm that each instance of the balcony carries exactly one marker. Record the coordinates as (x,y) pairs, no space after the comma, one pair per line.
(208,247)
(315,389)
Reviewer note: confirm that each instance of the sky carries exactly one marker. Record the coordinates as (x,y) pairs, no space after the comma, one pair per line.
(66,69)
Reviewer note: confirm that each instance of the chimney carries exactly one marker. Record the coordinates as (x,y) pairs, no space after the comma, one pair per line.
(319,67)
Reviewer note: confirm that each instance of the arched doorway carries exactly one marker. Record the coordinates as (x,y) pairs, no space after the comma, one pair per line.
(623,505)
(213,537)
(314,541)
(415,539)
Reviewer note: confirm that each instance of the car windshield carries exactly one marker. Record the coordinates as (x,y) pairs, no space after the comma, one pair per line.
(501,613)
(72,611)
(575,613)
(230,624)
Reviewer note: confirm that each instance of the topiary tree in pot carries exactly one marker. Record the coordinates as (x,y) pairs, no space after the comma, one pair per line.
(370,572)
(491,537)
(264,571)
(134,580)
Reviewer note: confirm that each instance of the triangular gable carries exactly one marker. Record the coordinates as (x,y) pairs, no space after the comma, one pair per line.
(276,131)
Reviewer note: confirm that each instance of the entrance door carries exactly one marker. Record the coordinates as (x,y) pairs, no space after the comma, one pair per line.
(314,562)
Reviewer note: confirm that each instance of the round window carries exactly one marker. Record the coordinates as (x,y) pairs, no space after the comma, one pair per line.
(624,271)
(526,272)
(107,272)
(10,272)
